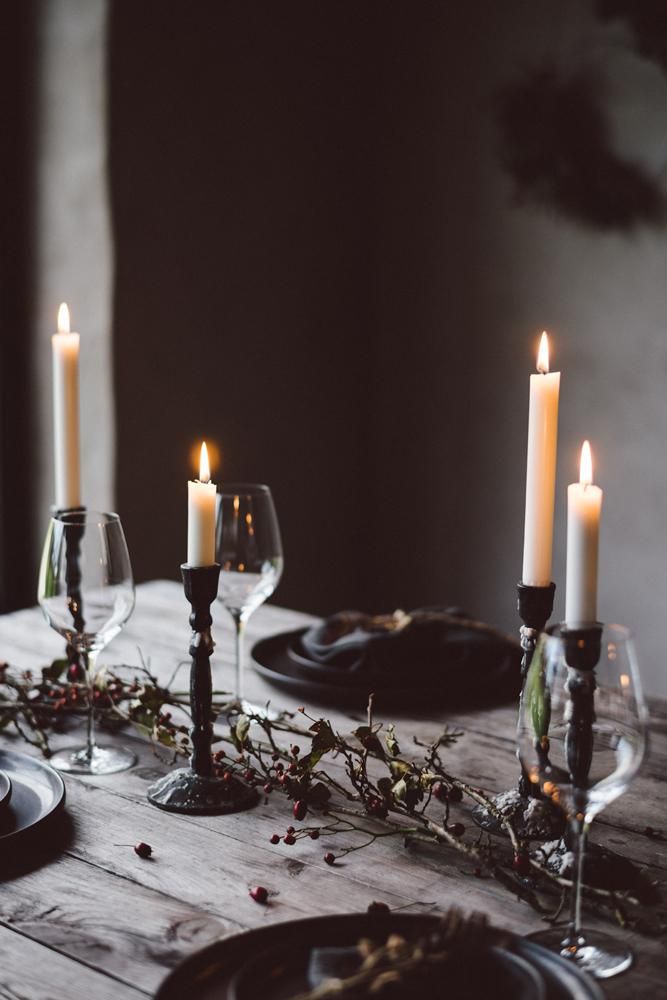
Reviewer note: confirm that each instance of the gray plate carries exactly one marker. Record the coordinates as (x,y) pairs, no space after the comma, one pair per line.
(5,790)
(209,974)
(37,792)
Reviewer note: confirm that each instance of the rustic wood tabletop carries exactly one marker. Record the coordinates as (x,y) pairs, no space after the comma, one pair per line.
(85,919)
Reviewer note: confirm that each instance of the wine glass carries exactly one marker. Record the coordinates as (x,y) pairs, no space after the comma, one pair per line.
(583,730)
(250,553)
(86,592)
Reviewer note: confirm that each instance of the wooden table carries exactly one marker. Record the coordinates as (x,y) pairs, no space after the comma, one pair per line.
(96,921)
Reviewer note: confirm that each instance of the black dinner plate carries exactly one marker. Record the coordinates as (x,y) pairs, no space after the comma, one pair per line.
(37,793)
(5,790)
(281,661)
(216,972)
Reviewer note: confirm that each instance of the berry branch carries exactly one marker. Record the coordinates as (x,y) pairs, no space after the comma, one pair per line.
(358,785)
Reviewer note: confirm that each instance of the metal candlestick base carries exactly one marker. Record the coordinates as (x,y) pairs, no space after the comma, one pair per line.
(196,789)
(535,817)
(187,792)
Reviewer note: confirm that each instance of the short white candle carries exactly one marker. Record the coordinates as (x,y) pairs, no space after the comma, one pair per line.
(541,471)
(584,506)
(201,515)
(65,353)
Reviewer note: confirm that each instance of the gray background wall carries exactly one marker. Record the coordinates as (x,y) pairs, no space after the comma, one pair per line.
(322,264)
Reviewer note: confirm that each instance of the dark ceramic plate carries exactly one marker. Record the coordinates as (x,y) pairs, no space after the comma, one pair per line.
(37,793)
(281,660)
(227,969)
(5,790)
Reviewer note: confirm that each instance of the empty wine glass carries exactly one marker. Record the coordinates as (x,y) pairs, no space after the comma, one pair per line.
(582,736)
(250,553)
(86,592)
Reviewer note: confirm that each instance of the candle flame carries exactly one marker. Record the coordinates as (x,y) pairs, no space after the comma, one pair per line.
(63,318)
(204,467)
(543,354)
(586,465)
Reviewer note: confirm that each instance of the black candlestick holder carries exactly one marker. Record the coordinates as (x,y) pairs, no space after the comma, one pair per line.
(196,789)
(582,655)
(535,817)
(73,535)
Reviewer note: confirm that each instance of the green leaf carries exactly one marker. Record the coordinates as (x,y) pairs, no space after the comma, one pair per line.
(239,731)
(391,742)
(399,768)
(324,738)
(384,787)
(400,790)
(54,671)
(536,695)
(319,794)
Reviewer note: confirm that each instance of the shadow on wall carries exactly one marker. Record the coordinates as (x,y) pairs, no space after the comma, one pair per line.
(556,146)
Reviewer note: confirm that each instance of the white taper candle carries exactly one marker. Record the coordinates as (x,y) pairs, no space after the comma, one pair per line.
(65,353)
(541,471)
(201,515)
(584,507)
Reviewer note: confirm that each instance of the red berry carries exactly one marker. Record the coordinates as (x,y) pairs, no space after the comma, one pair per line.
(249,774)
(300,809)
(521,863)
(290,829)
(292,768)
(143,850)
(314,834)
(227,776)
(440,791)
(268,788)
(295,751)
(275,839)
(259,894)
(275,756)
(289,839)
(457,829)
(329,858)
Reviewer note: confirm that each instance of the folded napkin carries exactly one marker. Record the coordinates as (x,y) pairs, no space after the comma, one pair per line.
(428,646)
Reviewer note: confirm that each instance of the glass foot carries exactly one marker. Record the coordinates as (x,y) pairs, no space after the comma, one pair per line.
(98,760)
(599,954)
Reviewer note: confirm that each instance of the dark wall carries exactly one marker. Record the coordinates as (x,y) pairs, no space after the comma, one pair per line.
(339,231)
(17,452)
(280,175)
(241,182)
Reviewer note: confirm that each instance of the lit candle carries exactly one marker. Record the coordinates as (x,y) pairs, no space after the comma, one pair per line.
(201,515)
(65,352)
(584,506)
(541,471)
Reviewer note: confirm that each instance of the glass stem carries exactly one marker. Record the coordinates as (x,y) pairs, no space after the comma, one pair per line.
(579,829)
(239,626)
(89,659)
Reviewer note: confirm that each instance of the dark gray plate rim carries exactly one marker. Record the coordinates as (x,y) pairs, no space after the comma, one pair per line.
(205,969)
(28,774)
(274,661)
(5,789)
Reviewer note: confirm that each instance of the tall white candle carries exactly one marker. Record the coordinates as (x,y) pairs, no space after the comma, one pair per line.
(541,471)
(65,353)
(584,507)
(201,515)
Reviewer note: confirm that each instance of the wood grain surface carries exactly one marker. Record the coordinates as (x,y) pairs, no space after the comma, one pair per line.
(83,918)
